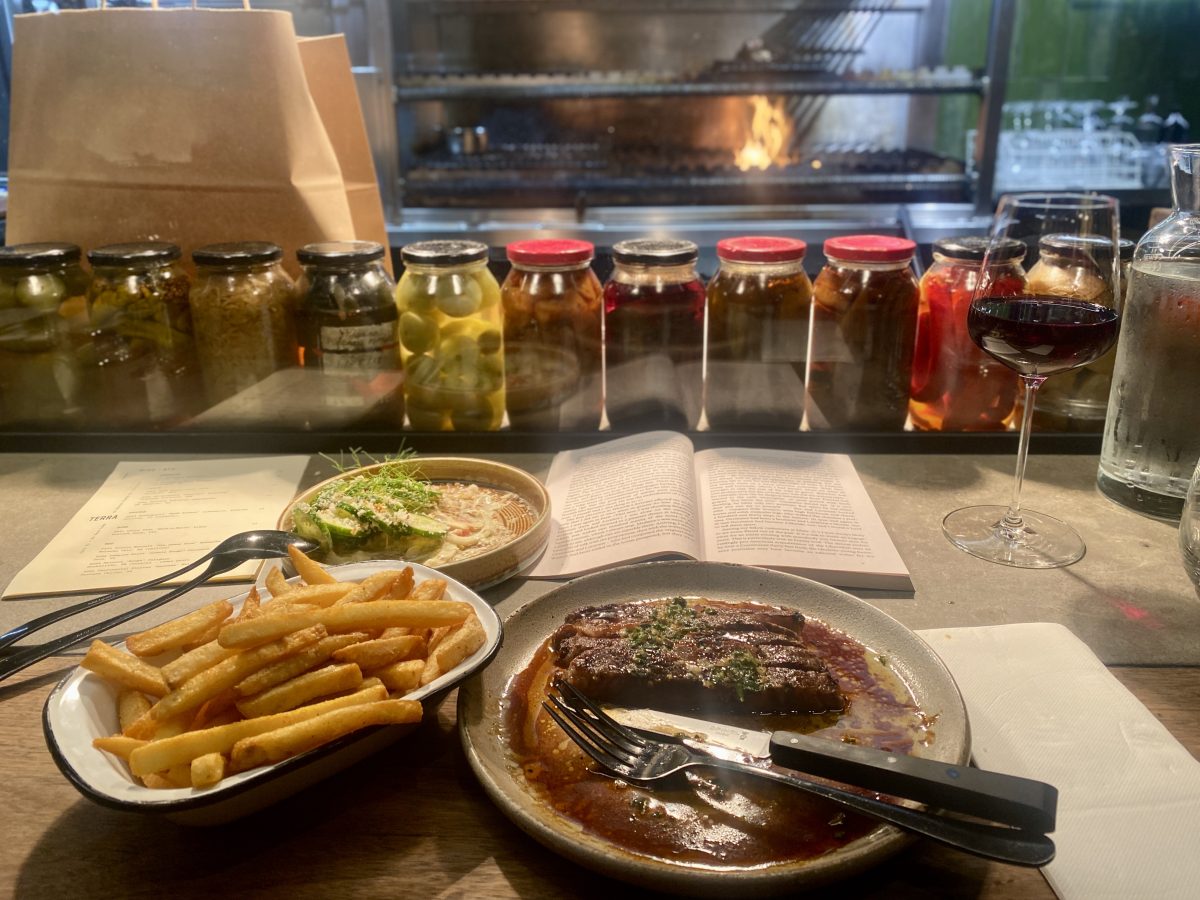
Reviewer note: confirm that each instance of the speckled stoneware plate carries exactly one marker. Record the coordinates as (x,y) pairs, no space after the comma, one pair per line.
(84,706)
(495,565)
(529,625)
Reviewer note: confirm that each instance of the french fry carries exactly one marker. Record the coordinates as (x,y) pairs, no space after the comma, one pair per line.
(461,644)
(125,669)
(148,728)
(312,595)
(201,639)
(117,745)
(285,669)
(378,614)
(309,569)
(368,683)
(207,770)
(429,671)
(156,781)
(380,585)
(225,674)
(436,636)
(381,652)
(131,706)
(397,631)
(194,661)
(158,755)
(402,677)
(433,589)
(281,743)
(174,634)
(179,776)
(301,689)
(250,606)
(276,583)
(213,708)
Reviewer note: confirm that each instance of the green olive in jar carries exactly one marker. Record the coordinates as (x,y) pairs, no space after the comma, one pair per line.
(418,333)
(459,296)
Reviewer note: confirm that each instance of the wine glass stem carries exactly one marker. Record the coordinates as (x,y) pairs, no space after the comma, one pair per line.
(1012,524)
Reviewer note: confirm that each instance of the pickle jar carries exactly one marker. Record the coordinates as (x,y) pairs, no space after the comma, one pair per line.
(654,335)
(757,334)
(243,309)
(553,336)
(1076,400)
(450,337)
(143,345)
(955,385)
(864,324)
(42,310)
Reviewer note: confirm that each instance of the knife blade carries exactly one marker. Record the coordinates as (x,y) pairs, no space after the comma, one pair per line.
(1008,799)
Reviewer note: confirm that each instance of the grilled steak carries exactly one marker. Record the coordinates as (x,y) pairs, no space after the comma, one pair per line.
(688,655)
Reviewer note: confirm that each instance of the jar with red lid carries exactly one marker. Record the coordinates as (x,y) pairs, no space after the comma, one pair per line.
(553,336)
(654,335)
(863,327)
(955,385)
(757,334)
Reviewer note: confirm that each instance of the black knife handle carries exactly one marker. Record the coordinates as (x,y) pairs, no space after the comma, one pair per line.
(1009,799)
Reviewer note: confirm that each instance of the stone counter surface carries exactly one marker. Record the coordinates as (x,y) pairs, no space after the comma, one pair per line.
(1128,598)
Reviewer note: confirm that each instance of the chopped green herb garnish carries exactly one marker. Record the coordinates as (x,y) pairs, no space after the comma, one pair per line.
(742,671)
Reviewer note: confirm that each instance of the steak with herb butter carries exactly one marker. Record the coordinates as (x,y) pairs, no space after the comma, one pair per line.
(685,655)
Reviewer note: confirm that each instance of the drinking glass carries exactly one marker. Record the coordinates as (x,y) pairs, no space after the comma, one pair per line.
(1038,336)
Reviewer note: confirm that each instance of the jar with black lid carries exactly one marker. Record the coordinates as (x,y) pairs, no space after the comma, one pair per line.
(757,334)
(863,329)
(243,309)
(142,335)
(451,337)
(654,334)
(42,313)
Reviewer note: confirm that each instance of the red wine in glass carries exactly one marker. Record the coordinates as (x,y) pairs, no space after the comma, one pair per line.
(1040,336)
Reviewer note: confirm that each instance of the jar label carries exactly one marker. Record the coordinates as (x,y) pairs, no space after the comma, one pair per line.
(359,347)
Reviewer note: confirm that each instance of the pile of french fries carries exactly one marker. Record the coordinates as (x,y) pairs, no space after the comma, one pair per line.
(211,694)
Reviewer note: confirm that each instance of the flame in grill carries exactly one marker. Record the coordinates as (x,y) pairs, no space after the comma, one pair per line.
(769,130)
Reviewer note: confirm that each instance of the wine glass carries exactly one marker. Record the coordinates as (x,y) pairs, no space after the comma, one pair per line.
(1065,325)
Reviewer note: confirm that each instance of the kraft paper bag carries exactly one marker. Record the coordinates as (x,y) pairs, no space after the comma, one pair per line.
(190,125)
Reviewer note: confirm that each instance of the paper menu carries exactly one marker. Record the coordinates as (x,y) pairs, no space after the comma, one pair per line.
(149,518)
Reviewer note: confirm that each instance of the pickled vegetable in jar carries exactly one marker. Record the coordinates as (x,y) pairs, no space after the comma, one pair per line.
(450,337)
(654,335)
(243,309)
(955,385)
(757,334)
(42,306)
(863,328)
(553,336)
(142,337)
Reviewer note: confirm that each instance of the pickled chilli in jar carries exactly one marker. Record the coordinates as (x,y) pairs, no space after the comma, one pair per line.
(243,308)
(863,329)
(955,385)
(450,337)
(654,334)
(757,334)
(143,348)
(42,314)
(1067,266)
(553,336)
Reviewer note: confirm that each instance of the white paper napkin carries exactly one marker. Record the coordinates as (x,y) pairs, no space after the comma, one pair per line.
(1043,706)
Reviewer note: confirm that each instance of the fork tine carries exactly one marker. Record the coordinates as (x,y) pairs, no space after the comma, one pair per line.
(616,731)
(602,757)
(597,736)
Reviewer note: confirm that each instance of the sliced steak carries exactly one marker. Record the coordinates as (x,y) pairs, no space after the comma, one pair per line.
(688,655)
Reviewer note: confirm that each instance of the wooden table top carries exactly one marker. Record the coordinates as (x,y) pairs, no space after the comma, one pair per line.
(410,821)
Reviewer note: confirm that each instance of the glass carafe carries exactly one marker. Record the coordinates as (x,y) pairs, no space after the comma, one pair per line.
(1151,442)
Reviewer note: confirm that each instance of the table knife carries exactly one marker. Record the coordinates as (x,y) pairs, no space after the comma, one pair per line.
(1020,802)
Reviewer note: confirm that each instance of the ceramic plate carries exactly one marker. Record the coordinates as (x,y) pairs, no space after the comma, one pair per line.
(495,565)
(529,625)
(84,706)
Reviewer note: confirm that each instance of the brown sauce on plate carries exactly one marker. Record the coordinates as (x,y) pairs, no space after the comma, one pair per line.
(711,818)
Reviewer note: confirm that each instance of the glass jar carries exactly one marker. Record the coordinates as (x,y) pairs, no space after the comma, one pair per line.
(865,304)
(42,306)
(243,309)
(955,385)
(757,334)
(1151,442)
(1067,267)
(654,335)
(143,346)
(553,336)
(450,337)
(1189,530)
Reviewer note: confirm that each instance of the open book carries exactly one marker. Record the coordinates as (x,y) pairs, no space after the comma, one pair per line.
(651,495)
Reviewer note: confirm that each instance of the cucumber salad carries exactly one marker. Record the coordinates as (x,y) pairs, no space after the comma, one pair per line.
(392,512)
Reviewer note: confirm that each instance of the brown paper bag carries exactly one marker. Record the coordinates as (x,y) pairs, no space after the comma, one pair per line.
(189,125)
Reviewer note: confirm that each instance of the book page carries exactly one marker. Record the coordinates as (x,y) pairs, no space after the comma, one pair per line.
(806,512)
(150,518)
(628,499)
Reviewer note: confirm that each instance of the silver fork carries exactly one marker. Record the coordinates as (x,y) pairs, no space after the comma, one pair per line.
(634,757)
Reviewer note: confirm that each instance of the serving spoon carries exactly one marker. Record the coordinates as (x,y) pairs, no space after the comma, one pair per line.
(227,555)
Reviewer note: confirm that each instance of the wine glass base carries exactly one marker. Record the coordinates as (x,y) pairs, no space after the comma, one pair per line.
(1043,543)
